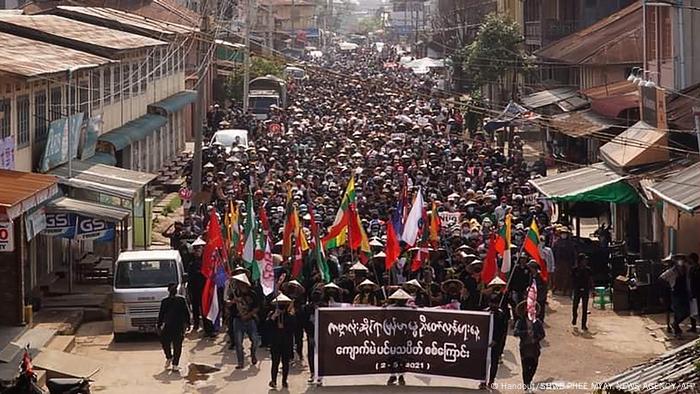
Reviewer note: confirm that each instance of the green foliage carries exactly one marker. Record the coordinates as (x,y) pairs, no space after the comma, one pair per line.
(258,67)
(369,24)
(495,50)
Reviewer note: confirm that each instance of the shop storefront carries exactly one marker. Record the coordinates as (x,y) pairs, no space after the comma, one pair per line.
(26,258)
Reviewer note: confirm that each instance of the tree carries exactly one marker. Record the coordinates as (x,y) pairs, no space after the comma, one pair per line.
(495,50)
(369,24)
(259,67)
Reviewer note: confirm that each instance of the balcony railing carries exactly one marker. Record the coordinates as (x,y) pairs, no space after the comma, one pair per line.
(533,33)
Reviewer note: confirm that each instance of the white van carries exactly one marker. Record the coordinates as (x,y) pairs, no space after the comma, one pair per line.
(229,137)
(141,281)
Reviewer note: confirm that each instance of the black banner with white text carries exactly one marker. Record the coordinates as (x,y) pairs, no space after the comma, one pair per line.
(423,341)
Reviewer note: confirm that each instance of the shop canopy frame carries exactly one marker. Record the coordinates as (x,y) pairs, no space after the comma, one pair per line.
(86,208)
(114,181)
(595,183)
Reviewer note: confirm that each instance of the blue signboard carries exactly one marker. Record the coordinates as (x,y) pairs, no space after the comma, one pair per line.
(60,225)
(94,229)
(92,131)
(56,151)
(68,225)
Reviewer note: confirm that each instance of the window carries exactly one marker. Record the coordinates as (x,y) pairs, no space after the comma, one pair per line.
(117,75)
(96,91)
(126,81)
(72,105)
(151,64)
(5,115)
(56,109)
(41,120)
(107,85)
(167,59)
(23,120)
(143,76)
(156,63)
(84,97)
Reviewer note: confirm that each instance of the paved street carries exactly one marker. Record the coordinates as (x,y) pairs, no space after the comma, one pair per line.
(613,344)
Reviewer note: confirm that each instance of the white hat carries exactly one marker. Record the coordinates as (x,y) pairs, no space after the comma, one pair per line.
(414,282)
(376,242)
(497,281)
(199,242)
(281,298)
(358,267)
(331,285)
(380,255)
(243,278)
(400,295)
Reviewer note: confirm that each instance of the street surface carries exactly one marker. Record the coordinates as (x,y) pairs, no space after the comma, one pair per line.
(569,356)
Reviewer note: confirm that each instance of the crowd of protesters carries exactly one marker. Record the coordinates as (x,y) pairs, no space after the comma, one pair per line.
(360,117)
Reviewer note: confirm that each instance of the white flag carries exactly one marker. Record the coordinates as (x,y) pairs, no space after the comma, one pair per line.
(412,225)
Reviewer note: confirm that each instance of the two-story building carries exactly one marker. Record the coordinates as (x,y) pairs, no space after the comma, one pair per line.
(148,72)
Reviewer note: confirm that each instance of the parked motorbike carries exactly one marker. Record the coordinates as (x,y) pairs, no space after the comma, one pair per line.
(26,382)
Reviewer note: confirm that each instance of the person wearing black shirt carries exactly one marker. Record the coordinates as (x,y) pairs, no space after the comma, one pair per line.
(500,332)
(283,319)
(173,322)
(582,285)
(531,333)
(195,282)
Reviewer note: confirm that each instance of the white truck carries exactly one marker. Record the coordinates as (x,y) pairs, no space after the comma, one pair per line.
(141,281)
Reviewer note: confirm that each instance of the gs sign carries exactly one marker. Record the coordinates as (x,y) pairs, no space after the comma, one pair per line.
(94,229)
(7,239)
(60,225)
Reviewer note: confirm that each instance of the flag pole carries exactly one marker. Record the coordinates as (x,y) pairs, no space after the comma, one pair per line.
(512,268)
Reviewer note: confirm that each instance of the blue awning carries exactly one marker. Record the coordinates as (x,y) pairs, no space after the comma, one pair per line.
(173,103)
(134,131)
(102,158)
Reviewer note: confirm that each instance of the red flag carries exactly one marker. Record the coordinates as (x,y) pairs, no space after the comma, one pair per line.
(215,245)
(290,225)
(392,249)
(298,263)
(354,231)
(418,258)
(490,269)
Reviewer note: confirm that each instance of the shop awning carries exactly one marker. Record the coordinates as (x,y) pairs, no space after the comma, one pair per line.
(173,103)
(100,178)
(134,131)
(595,183)
(567,99)
(681,190)
(638,145)
(86,208)
(579,124)
(102,158)
(22,191)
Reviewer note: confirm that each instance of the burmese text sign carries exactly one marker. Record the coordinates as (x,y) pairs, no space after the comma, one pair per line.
(379,341)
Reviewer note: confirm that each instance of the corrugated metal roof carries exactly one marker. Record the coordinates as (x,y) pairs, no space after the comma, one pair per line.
(162,10)
(122,20)
(577,181)
(87,208)
(679,107)
(666,374)
(616,39)
(103,179)
(681,189)
(61,30)
(28,58)
(567,99)
(581,123)
(24,190)
(638,145)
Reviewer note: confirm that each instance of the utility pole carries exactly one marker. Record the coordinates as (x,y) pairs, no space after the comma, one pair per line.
(200,108)
(246,54)
(294,32)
